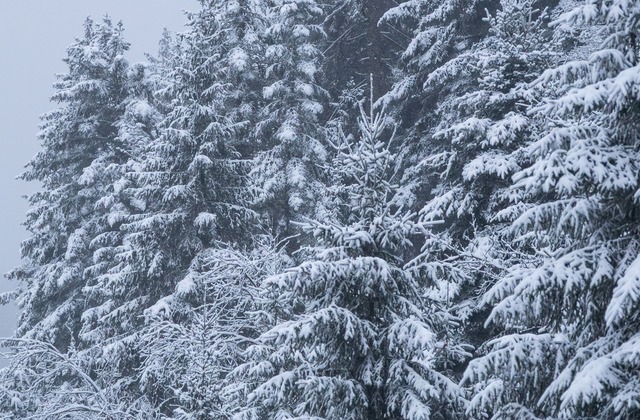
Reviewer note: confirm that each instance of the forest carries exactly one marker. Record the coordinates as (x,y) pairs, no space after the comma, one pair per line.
(338,210)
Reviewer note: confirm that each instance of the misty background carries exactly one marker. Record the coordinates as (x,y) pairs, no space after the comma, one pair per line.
(34,35)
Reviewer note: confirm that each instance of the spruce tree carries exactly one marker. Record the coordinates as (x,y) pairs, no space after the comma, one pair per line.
(77,167)
(188,187)
(438,32)
(481,124)
(570,309)
(289,126)
(79,144)
(137,127)
(360,340)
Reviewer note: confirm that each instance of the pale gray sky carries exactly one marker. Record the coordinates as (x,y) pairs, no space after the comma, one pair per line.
(34,35)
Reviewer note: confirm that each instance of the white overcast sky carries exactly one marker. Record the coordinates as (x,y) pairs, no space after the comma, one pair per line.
(34,35)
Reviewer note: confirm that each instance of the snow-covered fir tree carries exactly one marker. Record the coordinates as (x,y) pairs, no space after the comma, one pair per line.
(570,310)
(79,142)
(470,155)
(433,35)
(360,340)
(76,168)
(289,125)
(437,32)
(137,126)
(188,189)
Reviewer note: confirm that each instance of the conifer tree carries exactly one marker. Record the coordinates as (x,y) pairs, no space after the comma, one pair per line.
(137,127)
(82,153)
(80,144)
(482,122)
(102,326)
(360,340)
(435,34)
(289,125)
(438,32)
(570,313)
(188,189)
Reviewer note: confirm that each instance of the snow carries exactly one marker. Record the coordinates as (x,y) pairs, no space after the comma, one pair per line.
(591,383)
(626,295)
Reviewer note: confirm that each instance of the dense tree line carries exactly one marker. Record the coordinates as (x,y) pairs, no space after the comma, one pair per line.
(339,209)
